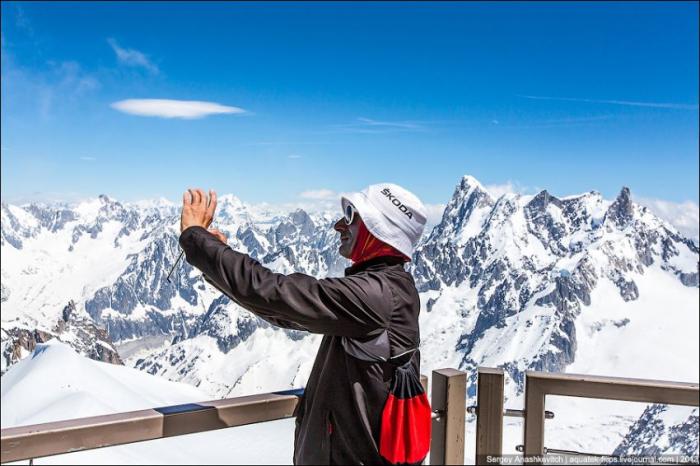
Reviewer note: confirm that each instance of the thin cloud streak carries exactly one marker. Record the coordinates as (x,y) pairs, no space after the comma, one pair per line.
(389,124)
(132,57)
(282,143)
(559,122)
(369,126)
(616,102)
(42,91)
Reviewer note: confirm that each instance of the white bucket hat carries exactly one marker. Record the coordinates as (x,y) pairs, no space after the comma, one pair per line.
(391,213)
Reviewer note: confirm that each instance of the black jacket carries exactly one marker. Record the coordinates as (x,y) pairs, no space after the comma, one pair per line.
(370,322)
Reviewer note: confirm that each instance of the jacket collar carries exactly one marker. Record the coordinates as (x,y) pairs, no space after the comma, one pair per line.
(376,263)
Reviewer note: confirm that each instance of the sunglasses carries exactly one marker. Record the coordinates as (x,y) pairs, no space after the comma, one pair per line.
(349,213)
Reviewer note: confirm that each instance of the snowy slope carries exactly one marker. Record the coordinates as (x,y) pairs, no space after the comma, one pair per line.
(55,383)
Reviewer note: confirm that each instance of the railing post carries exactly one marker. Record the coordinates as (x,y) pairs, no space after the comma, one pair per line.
(489,415)
(448,398)
(534,419)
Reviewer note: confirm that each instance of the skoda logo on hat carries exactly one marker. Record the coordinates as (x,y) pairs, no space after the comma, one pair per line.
(397,203)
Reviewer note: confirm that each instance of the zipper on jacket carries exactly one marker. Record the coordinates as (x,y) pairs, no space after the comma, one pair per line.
(328,437)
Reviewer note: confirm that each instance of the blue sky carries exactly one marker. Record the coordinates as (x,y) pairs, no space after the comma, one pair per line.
(306,100)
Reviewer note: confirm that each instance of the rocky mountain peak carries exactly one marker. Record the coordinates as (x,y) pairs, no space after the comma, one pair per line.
(621,211)
(229,200)
(68,311)
(542,200)
(469,181)
(469,195)
(300,218)
(468,186)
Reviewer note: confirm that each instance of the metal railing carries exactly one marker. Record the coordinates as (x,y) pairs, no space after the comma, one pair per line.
(540,384)
(489,410)
(52,438)
(448,401)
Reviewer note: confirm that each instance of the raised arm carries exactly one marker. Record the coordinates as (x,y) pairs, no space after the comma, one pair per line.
(274,321)
(354,306)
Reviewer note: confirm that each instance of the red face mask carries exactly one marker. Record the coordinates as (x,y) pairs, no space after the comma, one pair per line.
(368,247)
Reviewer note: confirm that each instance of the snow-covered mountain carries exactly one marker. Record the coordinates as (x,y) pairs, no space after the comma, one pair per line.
(573,284)
(517,274)
(112,259)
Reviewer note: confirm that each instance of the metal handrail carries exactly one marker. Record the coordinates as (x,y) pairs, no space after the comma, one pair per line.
(540,384)
(52,438)
(490,412)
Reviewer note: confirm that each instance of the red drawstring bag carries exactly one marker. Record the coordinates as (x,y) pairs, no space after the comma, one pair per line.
(405,432)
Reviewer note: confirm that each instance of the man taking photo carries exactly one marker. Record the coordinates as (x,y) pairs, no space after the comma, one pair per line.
(363,403)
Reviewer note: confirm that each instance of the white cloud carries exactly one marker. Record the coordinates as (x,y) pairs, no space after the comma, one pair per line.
(167,108)
(316,200)
(131,57)
(88,159)
(682,215)
(434,215)
(319,194)
(294,156)
(498,190)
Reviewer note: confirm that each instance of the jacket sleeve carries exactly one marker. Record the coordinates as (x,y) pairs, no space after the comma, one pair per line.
(273,321)
(356,306)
